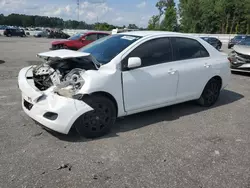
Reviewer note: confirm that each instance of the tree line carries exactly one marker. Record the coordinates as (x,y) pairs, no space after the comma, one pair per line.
(22,20)
(202,16)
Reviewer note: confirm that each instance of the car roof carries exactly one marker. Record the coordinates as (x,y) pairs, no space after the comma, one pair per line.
(150,33)
(98,32)
(209,38)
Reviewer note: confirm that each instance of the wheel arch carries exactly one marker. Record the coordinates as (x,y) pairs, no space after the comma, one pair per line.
(216,77)
(105,94)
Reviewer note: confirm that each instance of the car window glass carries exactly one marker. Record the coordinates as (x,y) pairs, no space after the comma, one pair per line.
(185,48)
(214,40)
(91,37)
(106,48)
(102,35)
(153,52)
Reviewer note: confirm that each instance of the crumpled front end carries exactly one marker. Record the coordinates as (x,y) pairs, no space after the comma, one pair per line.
(47,107)
(240,60)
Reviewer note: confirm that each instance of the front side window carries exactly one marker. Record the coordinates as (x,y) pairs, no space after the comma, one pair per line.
(152,52)
(91,37)
(106,48)
(75,37)
(186,48)
(245,42)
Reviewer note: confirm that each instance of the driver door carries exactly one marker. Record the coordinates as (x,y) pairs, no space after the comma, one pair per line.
(87,39)
(155,81)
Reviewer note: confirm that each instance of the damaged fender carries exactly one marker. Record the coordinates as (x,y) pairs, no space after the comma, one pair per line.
(42,103)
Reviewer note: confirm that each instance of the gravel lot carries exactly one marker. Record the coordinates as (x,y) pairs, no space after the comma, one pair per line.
(179,146)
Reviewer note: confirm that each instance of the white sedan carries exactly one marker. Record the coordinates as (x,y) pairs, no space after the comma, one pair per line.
(119,75)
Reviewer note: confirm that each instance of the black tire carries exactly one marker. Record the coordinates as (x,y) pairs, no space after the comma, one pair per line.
(210,93)
(99,121)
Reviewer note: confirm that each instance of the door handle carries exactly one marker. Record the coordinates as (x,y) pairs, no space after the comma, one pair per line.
(207,65)
(171,71)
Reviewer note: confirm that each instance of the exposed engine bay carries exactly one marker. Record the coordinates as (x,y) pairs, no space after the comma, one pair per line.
(65,74)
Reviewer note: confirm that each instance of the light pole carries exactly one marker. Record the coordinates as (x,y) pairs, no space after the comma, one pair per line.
(78,8)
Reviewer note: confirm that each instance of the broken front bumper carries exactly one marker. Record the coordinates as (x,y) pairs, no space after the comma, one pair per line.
(240,62)
(49,109)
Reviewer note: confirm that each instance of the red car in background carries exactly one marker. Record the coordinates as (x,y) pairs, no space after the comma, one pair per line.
(77,41)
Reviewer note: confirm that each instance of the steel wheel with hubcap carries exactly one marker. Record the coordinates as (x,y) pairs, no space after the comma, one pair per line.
(99,121)
(210,93)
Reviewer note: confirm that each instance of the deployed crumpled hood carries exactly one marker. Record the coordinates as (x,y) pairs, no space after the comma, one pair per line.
(63,54)
(242,49)
(67,54)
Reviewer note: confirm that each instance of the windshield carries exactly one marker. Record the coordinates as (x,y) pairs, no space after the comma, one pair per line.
(205,38)
(106,48)
(75,37)
(245,42)
(237,38)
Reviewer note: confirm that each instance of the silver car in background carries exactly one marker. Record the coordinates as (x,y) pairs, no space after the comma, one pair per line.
(240,56)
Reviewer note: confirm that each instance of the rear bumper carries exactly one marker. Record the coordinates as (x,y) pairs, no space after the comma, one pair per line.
(38,105)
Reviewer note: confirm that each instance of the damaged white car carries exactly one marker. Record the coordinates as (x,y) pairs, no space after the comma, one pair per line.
(119,75)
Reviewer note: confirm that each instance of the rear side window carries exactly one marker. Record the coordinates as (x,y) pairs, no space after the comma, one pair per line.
(214,40)
(186,48)
(152,52)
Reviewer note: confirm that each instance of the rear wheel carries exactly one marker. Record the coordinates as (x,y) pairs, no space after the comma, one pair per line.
(99,121)
(210,93)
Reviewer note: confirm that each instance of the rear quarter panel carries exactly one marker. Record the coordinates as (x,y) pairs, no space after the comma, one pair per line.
(220,63)
(221,67)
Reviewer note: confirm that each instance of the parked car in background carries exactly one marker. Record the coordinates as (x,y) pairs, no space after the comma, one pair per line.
(58,34)
(9,32)
(240,56)
(78,41)
(115,31)
(235,40)
(119,75)
(43,33)
(213,41)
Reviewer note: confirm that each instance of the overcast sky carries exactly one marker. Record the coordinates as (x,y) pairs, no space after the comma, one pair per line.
(118,12)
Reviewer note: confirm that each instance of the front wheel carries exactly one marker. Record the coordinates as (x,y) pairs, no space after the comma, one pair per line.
(99,121)
(210,93)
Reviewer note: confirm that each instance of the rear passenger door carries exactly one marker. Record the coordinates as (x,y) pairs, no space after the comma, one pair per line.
(14,32)
(193,63)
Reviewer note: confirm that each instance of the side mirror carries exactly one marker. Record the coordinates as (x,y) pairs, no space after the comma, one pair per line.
(134,62)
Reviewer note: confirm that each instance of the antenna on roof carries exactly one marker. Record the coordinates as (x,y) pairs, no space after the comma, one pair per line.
(78,8)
